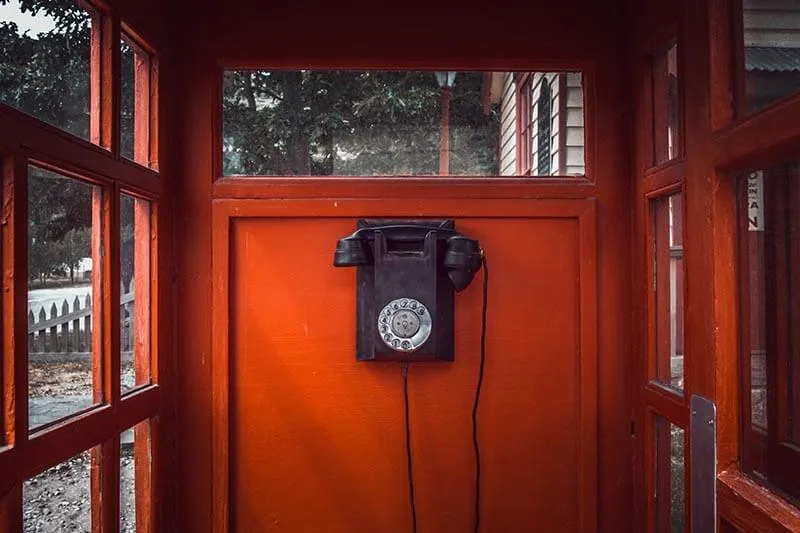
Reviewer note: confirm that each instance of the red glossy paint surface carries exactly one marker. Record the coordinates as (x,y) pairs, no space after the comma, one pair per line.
(317,438)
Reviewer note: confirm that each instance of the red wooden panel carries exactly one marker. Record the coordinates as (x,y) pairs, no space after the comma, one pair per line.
(316,439)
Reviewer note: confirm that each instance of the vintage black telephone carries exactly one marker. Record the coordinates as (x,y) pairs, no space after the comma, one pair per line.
(407,272)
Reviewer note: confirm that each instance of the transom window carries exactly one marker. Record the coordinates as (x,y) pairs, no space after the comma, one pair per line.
(402,123)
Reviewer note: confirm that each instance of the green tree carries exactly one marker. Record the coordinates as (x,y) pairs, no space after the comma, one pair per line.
(353,123)
(47,76)
(76,245)
(59,222)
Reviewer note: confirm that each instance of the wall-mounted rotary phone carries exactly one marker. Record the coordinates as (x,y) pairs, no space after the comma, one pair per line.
(407,272)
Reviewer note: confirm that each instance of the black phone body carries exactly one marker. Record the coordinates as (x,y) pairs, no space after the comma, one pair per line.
(407,274)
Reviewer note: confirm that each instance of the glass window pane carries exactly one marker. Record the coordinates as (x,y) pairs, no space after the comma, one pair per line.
(666,106)
(127,107)
(135,470)
(757,288)
(63,221)
(669,290)
(44,67)
(771,52)
(135,292)
(669,477)
(59,499)
(350,123)
(773,276)
(770,294)
(136,69)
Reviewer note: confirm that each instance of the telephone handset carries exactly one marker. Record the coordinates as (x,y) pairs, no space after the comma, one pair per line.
(407,271)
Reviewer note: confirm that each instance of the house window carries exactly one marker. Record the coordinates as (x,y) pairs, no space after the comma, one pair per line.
(550,124)
(524,125)
(544,129)
(769,224)
(80,244)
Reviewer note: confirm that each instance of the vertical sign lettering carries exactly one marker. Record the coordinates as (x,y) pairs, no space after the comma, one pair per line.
(755,201)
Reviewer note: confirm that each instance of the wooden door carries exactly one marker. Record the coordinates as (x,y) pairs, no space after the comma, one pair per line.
(315,440)
(715,274)
(298,435)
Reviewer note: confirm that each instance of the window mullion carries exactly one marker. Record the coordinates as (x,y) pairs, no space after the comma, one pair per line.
(111,310)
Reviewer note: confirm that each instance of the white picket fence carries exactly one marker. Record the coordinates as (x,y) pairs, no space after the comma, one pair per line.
(65,332)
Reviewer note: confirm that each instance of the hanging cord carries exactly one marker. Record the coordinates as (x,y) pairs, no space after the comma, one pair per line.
(408,451)
(475,443)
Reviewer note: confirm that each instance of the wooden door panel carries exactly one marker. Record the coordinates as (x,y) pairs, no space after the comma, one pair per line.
(316,439)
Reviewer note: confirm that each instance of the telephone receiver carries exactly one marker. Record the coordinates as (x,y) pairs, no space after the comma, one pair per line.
(462,257)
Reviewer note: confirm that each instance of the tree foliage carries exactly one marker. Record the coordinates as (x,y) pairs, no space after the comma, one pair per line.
(59,224)
(353,123)
(48,76)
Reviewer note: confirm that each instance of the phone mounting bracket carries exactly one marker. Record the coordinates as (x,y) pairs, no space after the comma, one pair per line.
(406,274)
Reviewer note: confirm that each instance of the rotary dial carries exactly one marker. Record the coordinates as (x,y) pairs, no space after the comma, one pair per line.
(404,324)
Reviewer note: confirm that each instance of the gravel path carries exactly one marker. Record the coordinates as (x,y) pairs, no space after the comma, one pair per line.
(58,499)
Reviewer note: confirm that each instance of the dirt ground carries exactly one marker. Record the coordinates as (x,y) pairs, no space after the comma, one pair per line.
(69,378)
(58,499)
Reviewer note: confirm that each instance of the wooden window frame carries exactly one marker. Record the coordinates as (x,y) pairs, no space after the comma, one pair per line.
(239,186)
(656,399)
(25,140)
(729,146)
(523,82)
(769,456)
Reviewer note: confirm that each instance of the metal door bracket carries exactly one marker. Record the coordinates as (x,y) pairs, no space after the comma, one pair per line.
(703,454)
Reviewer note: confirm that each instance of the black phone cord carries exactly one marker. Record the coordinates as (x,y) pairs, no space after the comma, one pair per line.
(408,452)
(475,442)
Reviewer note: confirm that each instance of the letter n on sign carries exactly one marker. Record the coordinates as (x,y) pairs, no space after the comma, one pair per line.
(755,201)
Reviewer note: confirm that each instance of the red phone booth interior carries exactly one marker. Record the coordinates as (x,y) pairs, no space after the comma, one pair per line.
(573,231)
